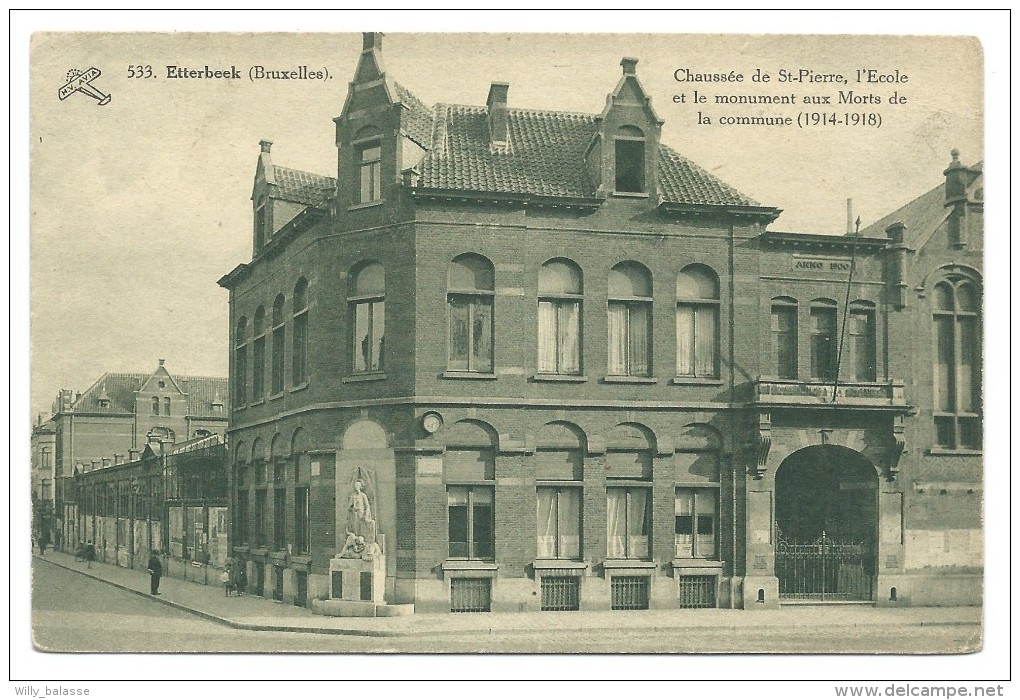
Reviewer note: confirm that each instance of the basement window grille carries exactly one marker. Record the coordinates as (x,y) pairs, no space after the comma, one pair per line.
(697,592)
(561,593)
(470,595)
(630,592)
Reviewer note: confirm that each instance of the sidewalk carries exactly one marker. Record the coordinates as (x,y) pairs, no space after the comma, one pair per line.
(253,613)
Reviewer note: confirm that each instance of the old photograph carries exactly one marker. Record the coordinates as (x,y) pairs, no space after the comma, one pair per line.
(494,342)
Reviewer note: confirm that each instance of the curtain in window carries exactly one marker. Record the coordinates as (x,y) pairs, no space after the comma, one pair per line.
(616,523)
(685,341)
(704,342)
(617,348)
(684,523)
(457,500)
(968,360)
(378,328)
(639,322)
(944,364)
(547,337)
(569,320)
(546,523)
(862,336)
(570,523)
(481,524)
(706,523)
(637,523)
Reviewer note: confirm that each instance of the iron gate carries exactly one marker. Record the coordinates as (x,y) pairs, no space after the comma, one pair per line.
(825,569)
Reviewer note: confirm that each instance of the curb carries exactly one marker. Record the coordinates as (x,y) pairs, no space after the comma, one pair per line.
(352,632)
(226,621)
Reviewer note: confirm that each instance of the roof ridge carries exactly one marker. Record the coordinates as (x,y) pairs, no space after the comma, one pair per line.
(531,110)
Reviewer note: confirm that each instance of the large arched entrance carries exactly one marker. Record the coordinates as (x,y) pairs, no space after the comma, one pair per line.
(827,523)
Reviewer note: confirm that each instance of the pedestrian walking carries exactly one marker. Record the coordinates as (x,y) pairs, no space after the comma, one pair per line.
(227,579)
(240,578)
(90,554)
(155,572)
(44,541)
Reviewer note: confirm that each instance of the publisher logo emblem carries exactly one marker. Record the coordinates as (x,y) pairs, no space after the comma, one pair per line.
(81,81)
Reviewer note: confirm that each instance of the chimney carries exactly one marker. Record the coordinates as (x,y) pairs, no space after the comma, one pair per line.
(265,145)
(133,455)
(956,180)
(371,41)
(629,66)
(496,106)
(163,362)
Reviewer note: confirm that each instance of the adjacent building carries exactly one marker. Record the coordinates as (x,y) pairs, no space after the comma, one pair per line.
(573,370)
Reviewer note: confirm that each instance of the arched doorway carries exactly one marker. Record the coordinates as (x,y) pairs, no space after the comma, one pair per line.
(827,523)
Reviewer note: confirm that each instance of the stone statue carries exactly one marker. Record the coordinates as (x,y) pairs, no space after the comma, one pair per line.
(354,546)
(371,551)
(359,510)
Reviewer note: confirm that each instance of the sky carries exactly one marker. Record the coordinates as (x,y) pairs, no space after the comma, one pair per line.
(139,206)
(125,215)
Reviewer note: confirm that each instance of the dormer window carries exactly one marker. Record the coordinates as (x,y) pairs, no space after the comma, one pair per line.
(104,403)
(630,160)
(369,172)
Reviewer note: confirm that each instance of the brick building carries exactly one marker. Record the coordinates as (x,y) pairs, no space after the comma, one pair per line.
(574,370)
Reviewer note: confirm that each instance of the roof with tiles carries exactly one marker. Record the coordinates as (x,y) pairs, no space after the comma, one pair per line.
(303,187)
(544,156)
(416,120)
(119,389)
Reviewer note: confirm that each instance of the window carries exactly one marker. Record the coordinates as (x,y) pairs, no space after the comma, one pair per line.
(260,518)
(559,318)
(155,405)
(279,339)
(370,173)
(628,522)
(957,364)
(630,320)
(166,405)
(241,518)
(469,298)
(696,523)
(470,510)
(630,160)
(697,322)
(259,356)
(860,351)
(823,339)
(241,362)
(279,508)
(301,519)
(299,366)
(784,337)
(368,314)
(559,522)
(261,224)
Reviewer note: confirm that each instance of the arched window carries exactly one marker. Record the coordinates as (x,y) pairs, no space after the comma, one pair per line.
(697,322)
(823,339)
(469,473)
(784,337)
(696,463)
(279,340)
(628,492)
(630,160)
(368,316)
(559,318)
(630,320)
(258,387)
(240,396)
(558,471)
(369,157)
(956,314)
(299,355)
(859,353)
(470,292)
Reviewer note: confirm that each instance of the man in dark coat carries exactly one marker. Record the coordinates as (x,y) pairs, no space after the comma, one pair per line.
(155,572)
